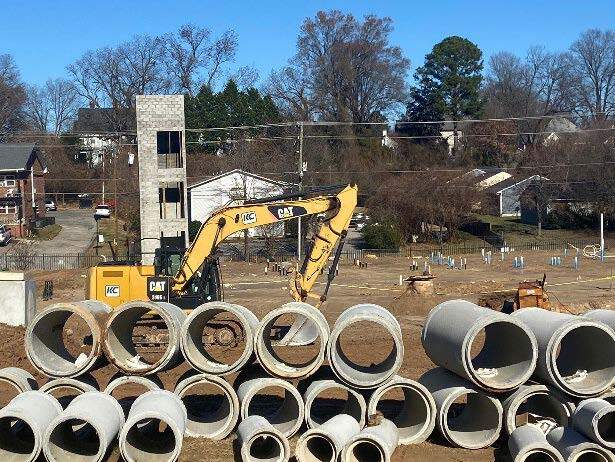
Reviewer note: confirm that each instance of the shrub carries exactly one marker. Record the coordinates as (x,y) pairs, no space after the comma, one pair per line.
(380,236)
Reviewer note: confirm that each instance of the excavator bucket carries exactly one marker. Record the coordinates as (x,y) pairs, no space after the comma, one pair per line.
(302,332)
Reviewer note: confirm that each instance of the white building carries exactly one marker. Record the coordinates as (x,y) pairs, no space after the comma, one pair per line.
(233,188)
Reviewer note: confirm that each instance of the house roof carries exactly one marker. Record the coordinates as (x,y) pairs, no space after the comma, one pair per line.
(509,183)
(105,120)
(240,172)
(18,156)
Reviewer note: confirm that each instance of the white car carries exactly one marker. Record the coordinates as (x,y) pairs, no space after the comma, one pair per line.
(102,211)
(50,205)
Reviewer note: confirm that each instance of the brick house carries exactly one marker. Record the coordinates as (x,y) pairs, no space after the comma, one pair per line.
(22,176)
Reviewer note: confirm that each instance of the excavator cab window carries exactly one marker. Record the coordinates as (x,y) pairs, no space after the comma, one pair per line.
(167,260)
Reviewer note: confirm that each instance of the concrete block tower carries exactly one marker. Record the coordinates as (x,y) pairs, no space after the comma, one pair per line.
(162,172)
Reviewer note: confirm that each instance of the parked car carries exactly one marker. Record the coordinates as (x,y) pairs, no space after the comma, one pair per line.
(5,235)
(50,205)
(102,211)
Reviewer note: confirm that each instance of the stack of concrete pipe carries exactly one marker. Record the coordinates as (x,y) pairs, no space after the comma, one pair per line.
(492,368)
(543,377)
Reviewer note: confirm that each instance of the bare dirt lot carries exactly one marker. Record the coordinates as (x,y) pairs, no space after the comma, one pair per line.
(246,284)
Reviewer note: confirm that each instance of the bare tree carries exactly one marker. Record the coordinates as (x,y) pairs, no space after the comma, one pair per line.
(37,110)
(245,77)
(12,95)
(344,69)
(592,61)
(63,103)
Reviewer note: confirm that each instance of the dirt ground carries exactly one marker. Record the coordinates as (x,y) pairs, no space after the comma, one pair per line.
(246,284)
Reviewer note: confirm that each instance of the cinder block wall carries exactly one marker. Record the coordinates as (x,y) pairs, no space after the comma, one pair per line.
(158,113)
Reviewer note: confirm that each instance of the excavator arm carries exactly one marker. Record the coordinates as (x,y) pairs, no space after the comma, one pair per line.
(338,210)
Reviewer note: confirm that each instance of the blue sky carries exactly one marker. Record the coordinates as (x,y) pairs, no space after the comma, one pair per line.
(46,36)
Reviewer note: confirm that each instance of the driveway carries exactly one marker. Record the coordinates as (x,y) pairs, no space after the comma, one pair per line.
(78,230)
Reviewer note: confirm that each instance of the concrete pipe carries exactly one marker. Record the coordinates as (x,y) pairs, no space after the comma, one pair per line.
(538,401)
(13,381)
(575,354)
(132,387)
(363,375)
(265,349)
(372,444)
(201,355)
(325,443)
(528,443)
(23,423)
(212,406)
(475,343)
(595,418)
(262,442)
(57,350)
(120,346)
(574,447)
(143,436)
(466,417)
(416,418)
(604,316)
(85,429)
(286,417)
(322,403)
(609,396)
(66,390)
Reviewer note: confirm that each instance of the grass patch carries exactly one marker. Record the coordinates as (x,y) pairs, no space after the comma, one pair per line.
(107,228)
(48,232)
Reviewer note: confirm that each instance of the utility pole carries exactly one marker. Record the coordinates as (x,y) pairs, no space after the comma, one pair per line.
(300,187)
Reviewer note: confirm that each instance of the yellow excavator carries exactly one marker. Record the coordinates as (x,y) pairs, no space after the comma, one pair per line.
(191,277)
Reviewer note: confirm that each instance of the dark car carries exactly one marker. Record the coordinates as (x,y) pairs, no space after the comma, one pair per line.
(5,235)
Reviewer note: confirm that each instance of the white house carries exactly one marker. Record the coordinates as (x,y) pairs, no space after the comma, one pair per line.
(233,188)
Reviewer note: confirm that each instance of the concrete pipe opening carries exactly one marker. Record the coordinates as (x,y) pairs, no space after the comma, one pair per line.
(64,340)
(471,420)
(66,390)
(365,451)
(537,401)
(350,351)
(143,337)
(280,349)
(583,358)
(151,439)
(266,447)
(407,404)
(492,361)
(211,404)
(75,440)
(274,399)
(327,398)
(316,448)
(17,440)
(606,428)
(218,337)
(539,455)
(14,381)
(591,455)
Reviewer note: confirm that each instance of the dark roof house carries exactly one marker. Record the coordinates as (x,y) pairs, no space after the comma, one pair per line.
(105,120)
(15,157)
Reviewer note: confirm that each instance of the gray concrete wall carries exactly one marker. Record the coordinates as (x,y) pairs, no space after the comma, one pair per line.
(157,113)
(17,299)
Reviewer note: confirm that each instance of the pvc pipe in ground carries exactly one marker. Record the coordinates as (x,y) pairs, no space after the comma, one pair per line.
(466,417)
(45,345)
(265,348)
(142,438)
(604,316)
(262,442)
(452,337)
(538,401)
(372,444)
(361,376)
(287,417)
(528,443)
(212,415)
(85,429)
(118,342)
(66,385)
(417,417)
(23,423)
(325,443)
(191,337)
(130,381)
(595,418)
(18,379)
(316,409)
(575,354)
(574,447)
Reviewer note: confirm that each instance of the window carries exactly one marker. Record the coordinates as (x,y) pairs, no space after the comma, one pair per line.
(8,209)
(171,199)
(169,149)
(7,180)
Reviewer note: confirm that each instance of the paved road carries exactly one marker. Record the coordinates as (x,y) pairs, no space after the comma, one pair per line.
(78,229)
